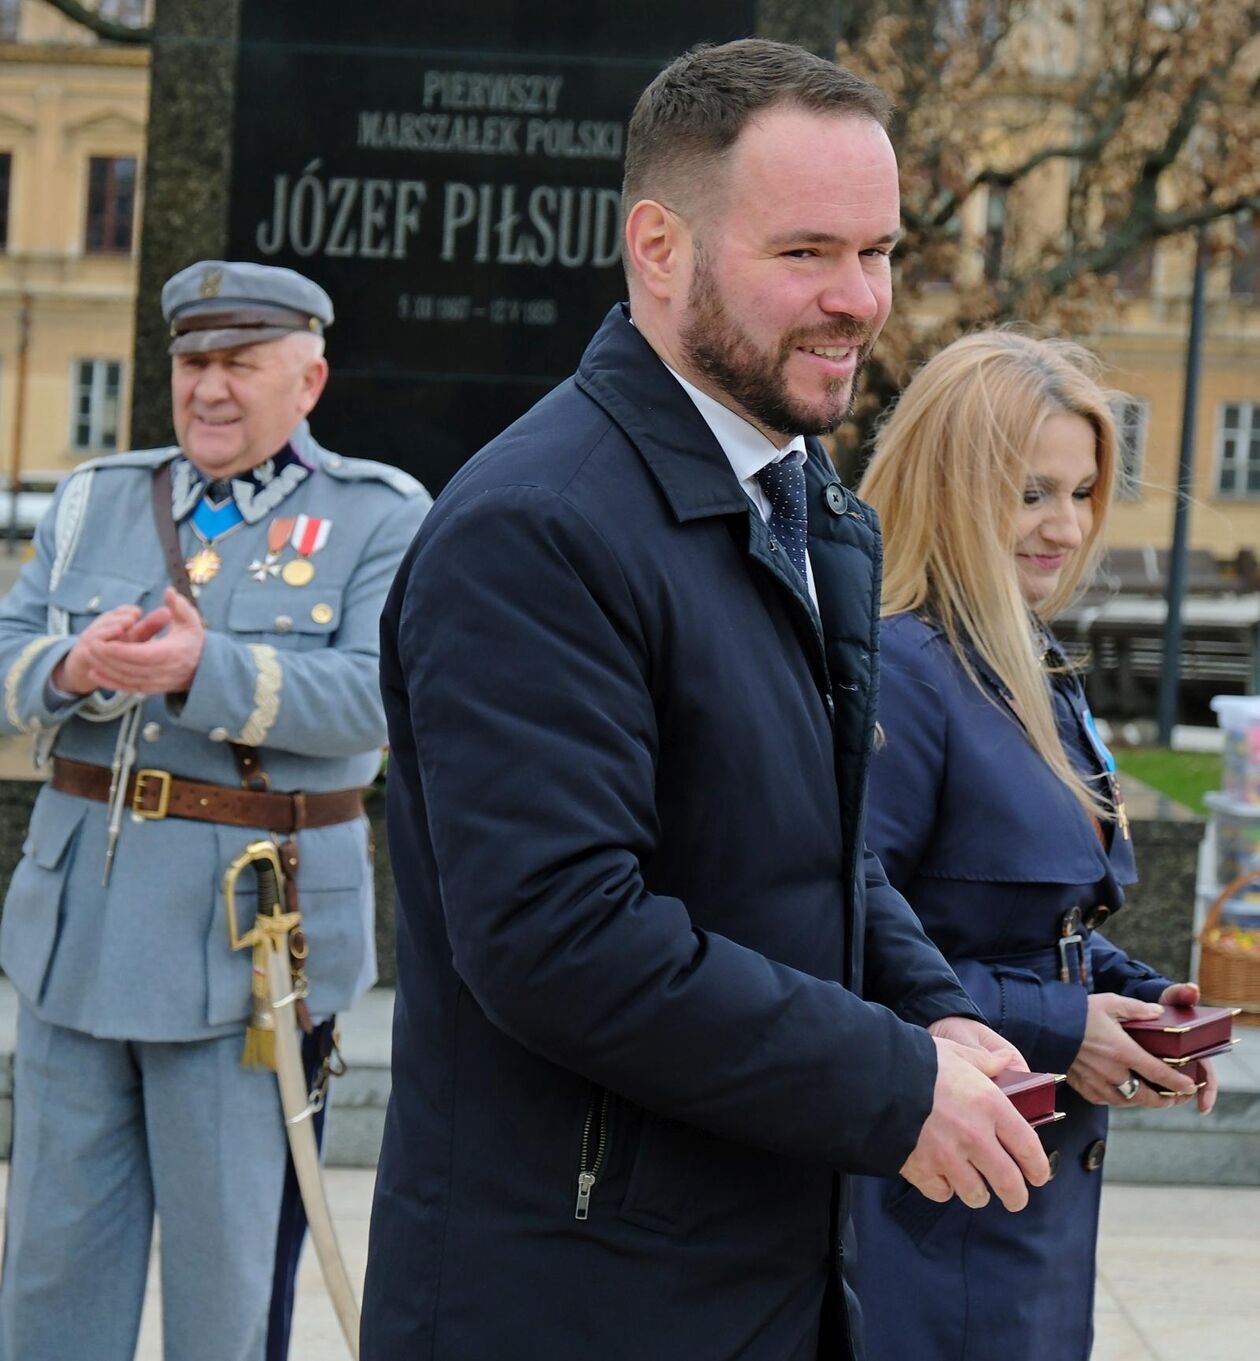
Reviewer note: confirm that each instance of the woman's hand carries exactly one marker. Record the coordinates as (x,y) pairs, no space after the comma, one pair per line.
(1108,1057)
(1187,995)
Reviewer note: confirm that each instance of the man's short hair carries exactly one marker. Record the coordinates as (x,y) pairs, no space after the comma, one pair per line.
(690,116)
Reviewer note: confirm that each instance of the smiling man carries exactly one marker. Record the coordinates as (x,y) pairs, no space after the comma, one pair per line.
(194,646)
(654,1000)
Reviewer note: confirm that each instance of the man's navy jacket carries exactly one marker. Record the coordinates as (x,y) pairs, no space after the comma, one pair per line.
(635,920)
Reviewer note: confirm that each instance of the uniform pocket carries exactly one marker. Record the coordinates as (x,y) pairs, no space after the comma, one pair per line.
(83,595)
(33,906)
(294,618)
(336,905)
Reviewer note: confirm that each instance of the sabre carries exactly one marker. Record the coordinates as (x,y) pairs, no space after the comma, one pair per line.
(119,777)
(272,1041)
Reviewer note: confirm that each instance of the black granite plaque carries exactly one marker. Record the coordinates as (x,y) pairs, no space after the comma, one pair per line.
(450,172)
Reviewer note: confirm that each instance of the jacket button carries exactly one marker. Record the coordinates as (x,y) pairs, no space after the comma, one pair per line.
(1054,1158)
(835,498)
(218,734)
(94,604)
(1096,915)
(151,732)
(1092,1158)
(283,623)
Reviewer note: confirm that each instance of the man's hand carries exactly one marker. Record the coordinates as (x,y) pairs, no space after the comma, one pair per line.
(78,672)
(974,1138)
(1108,1055)
(145,664)
(963,1030)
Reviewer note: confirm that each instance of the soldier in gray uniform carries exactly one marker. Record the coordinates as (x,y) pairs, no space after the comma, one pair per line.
(178,731)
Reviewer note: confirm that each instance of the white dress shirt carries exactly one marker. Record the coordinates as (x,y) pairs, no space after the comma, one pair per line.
(748,451)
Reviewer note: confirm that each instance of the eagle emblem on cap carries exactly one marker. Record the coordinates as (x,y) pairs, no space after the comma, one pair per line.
(211,282)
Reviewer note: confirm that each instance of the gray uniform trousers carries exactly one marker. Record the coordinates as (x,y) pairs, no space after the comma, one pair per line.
(106,1132)
(129,1095)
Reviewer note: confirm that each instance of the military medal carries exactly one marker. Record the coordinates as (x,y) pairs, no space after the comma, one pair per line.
(297,572)
(278,531)
(308,534)
(203,566)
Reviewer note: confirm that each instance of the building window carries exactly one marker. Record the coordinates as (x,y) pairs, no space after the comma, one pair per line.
(1238,450)
(6,165)
(10,18)
(111,203)
(1244,267)
(994,232)
(94,420)
(1130,415)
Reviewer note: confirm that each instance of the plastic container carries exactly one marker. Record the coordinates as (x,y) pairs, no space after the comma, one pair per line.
(1239,716)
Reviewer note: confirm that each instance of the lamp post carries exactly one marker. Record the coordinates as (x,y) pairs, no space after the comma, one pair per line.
(1170,665)
(19,418)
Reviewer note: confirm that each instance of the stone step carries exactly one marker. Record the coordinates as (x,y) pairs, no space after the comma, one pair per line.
(1158,1147)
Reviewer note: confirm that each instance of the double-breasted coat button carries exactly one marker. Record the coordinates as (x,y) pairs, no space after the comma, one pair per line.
(1092,1158)
(1054,1158)
(835,498)
(94,604)
(283,623)
(151,732)
(218,734)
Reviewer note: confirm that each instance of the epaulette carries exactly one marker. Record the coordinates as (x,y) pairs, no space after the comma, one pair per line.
(133,458)
(366,470)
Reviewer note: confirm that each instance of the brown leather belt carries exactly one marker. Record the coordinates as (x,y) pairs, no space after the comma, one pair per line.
(158,794)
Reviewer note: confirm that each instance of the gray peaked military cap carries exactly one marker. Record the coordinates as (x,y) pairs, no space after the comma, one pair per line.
(218,304)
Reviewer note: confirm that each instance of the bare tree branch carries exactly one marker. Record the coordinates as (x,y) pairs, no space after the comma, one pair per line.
(108,29)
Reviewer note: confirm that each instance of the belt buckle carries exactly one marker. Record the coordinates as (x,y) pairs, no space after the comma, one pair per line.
(143,778)
(1069,935)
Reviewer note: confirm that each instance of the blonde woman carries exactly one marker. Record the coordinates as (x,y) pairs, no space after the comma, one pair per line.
(995,810)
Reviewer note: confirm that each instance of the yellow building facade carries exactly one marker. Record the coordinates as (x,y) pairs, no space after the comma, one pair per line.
(72,131)
(72,136)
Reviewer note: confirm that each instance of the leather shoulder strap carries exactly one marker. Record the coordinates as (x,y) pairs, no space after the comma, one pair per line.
(168,534)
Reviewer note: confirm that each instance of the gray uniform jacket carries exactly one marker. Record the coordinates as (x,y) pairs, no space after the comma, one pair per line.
(291,670)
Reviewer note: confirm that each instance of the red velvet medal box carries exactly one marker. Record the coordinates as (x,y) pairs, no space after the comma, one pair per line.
(1190,1068)
(1032,1095)
(1185,1032)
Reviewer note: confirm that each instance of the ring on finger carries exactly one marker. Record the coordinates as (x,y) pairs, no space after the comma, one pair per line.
(1129,1087)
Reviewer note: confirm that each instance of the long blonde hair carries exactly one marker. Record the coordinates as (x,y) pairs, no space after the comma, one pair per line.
(947,479)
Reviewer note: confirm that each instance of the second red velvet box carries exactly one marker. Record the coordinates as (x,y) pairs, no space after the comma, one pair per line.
(1185,1032)
(1032,1094)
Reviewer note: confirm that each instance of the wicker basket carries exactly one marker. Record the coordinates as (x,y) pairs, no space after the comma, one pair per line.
(1229,958)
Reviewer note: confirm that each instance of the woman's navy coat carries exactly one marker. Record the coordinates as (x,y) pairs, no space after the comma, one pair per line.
(992,849)
(635,917)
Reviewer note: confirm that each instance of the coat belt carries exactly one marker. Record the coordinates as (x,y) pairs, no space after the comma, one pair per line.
(156,794)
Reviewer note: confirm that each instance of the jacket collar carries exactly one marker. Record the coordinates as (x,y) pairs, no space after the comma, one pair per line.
(622,373)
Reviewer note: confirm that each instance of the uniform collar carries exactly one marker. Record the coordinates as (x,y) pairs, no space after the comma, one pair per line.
(257,492)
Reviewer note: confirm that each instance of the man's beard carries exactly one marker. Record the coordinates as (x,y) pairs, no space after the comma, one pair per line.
(753,379)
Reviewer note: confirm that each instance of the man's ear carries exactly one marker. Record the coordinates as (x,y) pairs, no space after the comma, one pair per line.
(658,248)
(314,377)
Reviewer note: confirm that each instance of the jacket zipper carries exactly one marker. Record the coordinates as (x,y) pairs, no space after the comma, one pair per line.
(593,1149)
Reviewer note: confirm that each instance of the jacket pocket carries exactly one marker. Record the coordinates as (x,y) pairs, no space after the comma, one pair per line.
(33,906)
(912,1211)
(663,1175)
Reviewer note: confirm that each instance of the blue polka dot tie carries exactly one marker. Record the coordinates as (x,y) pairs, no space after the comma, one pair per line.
(784,485)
